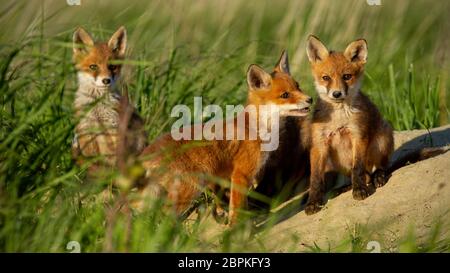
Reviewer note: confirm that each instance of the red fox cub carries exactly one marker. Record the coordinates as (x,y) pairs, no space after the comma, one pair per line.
(238,160)
(348,132)
(97,100)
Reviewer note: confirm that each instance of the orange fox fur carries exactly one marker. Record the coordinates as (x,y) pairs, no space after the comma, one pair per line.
(235,160)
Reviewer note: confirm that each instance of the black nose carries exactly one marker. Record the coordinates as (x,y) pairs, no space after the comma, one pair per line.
(337,94)
(309,100)
(106,81)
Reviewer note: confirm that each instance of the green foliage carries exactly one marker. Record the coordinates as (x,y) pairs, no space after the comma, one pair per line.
(178,50)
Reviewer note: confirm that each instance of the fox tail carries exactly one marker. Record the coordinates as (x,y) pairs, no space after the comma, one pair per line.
(416,156)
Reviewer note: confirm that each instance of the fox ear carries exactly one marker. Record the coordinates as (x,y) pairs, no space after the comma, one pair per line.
(118,41)
(316,50)
(81,39)
(283,63)
(257,78)
(357,51)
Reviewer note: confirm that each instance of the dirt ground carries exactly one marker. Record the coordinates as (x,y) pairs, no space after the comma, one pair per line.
(410,204)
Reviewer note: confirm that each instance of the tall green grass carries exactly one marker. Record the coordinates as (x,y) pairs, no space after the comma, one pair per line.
(178,50)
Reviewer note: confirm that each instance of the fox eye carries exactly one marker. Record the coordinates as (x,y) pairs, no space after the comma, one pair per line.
(326,78)
(347,77)
(93,67)
(285,95)
(112,67)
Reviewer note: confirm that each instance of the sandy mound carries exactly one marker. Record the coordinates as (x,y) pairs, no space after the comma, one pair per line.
(414,198)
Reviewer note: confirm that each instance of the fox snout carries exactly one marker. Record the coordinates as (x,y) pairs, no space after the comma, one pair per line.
(333,88)
(99,81)
(305,106)
(337,94)
(333,92)
(302,108)
(105,81)
(307,102)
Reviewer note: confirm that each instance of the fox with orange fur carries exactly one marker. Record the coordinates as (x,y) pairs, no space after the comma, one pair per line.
(348,133)
(235,160)
(97,99)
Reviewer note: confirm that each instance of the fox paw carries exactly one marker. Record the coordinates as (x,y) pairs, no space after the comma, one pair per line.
(361,192)
(220,215)
(379,178)
(312,208)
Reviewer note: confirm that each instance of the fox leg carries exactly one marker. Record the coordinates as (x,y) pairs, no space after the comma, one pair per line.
(238,194)
(359,172)
(218,211)
(317,185)
(182,190)
(380,152)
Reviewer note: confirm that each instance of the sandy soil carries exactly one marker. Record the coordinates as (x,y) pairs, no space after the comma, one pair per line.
(414,198)
(411,203)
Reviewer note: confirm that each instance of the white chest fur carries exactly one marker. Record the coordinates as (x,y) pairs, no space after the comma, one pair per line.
(97,108)
(341,117)
(265,155)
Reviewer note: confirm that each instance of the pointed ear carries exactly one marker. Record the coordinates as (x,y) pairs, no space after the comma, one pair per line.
(316,50)
(257,78)
(283,63)
(118,41)
(81,40)
(357,51)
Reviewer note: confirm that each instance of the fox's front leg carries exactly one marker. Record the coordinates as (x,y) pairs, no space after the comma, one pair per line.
(218,212)
(317,185)
(359,172)
(381,150)
(238,195)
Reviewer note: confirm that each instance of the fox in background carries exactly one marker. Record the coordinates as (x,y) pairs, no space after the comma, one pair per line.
(348,133)
(98,100)
(235,160)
